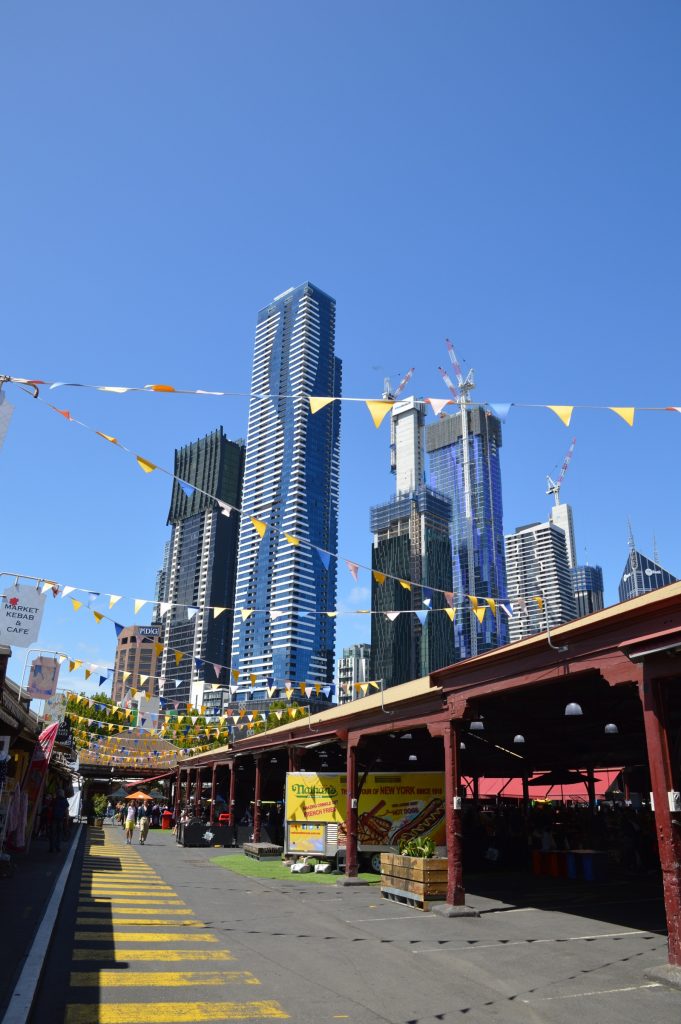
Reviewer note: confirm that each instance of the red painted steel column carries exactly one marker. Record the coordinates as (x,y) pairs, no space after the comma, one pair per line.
(257,811)
(351,859)
(213,782)
(668,823)
(232,801)
(178,793)
(188,789)
(197,794)
(456,894)
(293,759)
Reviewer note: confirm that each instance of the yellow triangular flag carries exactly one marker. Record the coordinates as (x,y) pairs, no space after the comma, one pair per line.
(179,655)
(378,409)
(258,526)
(76,604)
(563,412)
(143,680)
(235,675)
(139,603)
(332,615)
(292,540)
(144,464)
(378,576)
(480,612)
(540,602)
(158,648)
(450,612)
(492,604)
(319,403)
(253,678)
(107,437)
(126,676)
(218,611)
(407,586)
(88,673)
(626,412)
(98,616)
(473,601)
(113,598)
(245,613)
(133,691)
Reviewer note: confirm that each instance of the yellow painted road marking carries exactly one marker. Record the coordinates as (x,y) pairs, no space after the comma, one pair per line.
(169,1013)
(144,937)
(104,901)
(123,892)
(184,912)
(125,955)
(169,979)
(139,920)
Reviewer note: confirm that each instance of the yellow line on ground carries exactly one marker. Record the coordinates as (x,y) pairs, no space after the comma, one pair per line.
(172,1013)
(169,979)
(111,936)
(182,912)
(164,955)
(138,920)
(123,890)
(104,901)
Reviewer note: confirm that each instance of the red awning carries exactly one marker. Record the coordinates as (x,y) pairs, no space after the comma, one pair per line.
(154,778)
(513,788)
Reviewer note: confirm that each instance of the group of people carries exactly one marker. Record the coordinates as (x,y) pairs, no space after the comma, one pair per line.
(145,815)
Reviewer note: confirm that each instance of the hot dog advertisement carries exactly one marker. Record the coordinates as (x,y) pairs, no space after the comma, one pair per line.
(391,807)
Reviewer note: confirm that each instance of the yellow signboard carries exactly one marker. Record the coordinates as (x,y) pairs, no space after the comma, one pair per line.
(392,807)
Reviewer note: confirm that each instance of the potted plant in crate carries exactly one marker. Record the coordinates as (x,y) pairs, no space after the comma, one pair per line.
(414,875)
(99,803)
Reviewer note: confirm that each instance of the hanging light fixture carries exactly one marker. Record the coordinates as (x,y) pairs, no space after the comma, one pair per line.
(611,729)
(477,726)
(413,757)
(462,745)
(405,736)
(519,738)
(573,709)
(273,760)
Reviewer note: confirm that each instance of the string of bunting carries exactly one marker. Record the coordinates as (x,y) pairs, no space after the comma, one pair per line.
(378,407)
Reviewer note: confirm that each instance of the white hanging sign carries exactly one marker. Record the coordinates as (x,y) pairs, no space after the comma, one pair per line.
(6,410)
(21,612)
(42,679)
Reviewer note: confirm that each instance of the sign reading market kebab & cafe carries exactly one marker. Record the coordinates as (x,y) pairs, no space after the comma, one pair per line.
(21,612)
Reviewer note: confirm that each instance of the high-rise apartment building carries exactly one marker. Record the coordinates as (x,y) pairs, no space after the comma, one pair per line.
(539,579)
(587,585)
(463,454)
(200,569)
(411,635)
(291,484)
(353,670)
(137,661)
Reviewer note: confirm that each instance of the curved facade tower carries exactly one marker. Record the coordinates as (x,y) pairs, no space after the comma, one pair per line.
(291,483)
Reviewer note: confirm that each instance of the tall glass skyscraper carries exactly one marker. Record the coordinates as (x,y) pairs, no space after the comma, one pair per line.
(199,566)
(291,483)
(463,452)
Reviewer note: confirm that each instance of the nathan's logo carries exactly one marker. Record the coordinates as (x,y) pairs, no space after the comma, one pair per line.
(302,789)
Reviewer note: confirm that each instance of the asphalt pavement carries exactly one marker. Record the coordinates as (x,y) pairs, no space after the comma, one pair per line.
(158,933)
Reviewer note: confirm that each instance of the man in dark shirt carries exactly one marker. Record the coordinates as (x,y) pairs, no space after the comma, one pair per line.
(60,810)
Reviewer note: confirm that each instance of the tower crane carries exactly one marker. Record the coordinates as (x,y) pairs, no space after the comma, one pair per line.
(388,394)
(554,486)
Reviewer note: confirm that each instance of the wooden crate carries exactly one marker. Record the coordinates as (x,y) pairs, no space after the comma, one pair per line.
(425,878)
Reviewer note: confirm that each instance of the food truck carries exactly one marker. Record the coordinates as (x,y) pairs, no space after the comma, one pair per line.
(391,808)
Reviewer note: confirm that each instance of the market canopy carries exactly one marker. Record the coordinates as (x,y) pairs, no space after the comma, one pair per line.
(138,795)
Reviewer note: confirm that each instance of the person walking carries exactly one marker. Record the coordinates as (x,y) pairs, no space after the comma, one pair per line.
(130,822)
(60,810)
(144,824)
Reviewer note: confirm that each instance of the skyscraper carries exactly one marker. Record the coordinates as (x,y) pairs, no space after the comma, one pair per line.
(353,669)
(539,580)
(284,588)
(463,451)
(136,661)
(411,635)
(587,585)
(200,567)
(642,574)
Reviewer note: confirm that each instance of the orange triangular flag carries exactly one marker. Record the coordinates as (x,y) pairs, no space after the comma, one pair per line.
(98,616)
(378,408)
(107,437)
(563,412)
(378,576)
(317,403)
(161,387)
(626,412)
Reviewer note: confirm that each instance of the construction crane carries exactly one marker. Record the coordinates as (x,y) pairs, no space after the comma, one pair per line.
(388,394)
(554,486)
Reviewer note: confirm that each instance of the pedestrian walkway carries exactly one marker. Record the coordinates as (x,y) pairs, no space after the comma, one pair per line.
(130,927)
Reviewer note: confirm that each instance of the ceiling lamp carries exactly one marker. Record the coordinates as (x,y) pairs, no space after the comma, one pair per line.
(273,760)
(405,736)
(519,738)
(572,710)
(611,729)
(413,757)
(462,745)
(477,726)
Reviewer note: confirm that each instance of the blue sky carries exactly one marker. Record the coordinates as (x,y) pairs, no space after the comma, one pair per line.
(502,174)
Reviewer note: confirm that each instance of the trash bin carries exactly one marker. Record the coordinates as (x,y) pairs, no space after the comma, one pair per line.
(167,820)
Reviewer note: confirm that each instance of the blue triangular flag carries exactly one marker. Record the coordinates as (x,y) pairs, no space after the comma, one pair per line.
(187,488)
(118,628)
(198,662)
(427,596)
(500,409)
(421,616)
(324,557)
(102,680)
(191,612)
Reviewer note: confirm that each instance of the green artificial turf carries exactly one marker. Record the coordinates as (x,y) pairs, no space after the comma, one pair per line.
(240,864)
